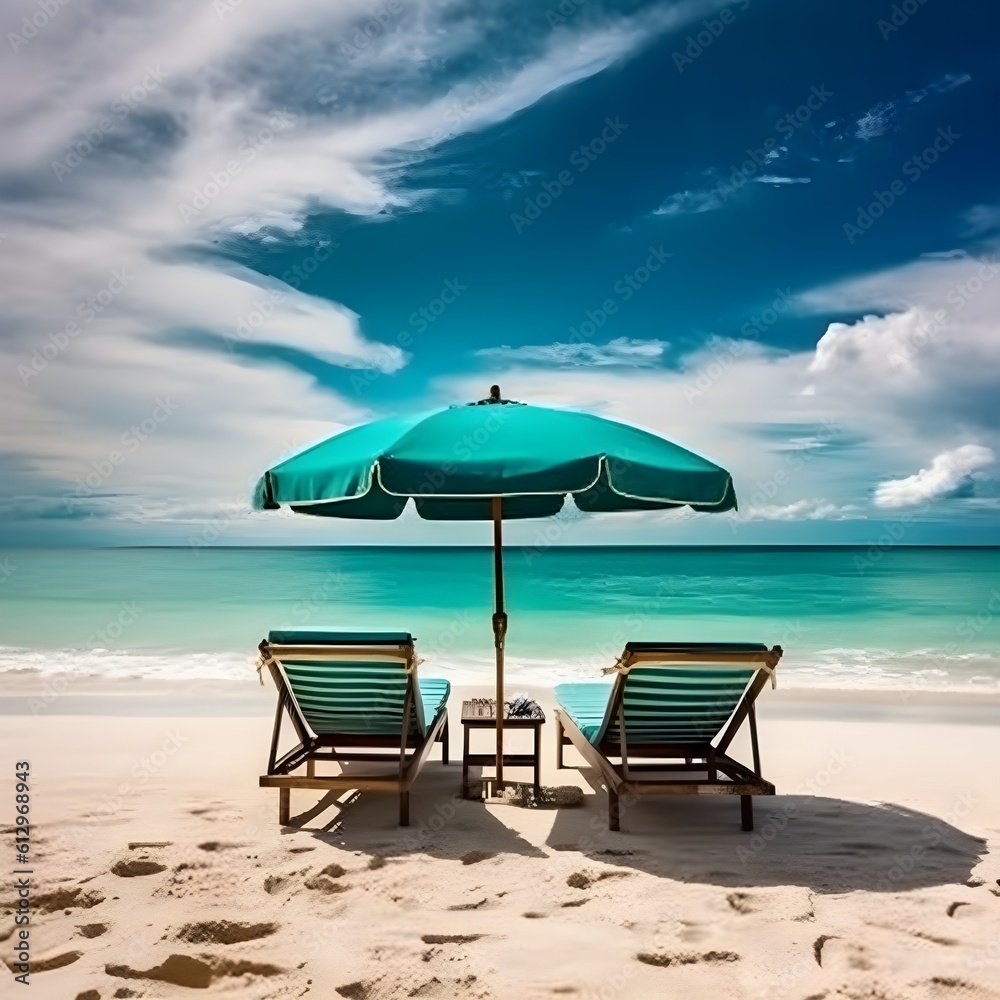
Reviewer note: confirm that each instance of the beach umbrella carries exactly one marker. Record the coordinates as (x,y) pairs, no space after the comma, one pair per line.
(493,460)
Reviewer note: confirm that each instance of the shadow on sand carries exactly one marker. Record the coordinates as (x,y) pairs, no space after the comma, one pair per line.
(825,844)
(442,824)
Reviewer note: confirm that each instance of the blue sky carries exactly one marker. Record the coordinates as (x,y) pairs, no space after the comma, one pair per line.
(767,229)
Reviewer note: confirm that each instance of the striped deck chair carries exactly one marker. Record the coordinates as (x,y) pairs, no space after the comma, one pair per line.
(347,694)
(677,703)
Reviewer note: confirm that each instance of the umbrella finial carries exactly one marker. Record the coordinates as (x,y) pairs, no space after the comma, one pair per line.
(494,394)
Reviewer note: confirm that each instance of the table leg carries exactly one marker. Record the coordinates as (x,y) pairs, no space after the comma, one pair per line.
(538,761)
(465,762)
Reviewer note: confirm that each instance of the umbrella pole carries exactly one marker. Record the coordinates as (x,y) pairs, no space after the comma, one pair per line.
(499,626)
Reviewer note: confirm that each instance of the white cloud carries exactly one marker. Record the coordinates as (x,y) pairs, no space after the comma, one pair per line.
(881,392)
(874,344)
(877,120)
(927,368)
(690,203)
(802,510)
(949,474)
(624,351)
(982,219)
(250,118)
(776,181)
(885,116)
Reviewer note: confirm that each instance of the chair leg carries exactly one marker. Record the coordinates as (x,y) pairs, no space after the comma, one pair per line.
(444,744)
(404,808)
(746,811)
(559,745)
(284,806)
(614,811)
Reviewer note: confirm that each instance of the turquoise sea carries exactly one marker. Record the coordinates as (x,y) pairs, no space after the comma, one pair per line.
(907,617)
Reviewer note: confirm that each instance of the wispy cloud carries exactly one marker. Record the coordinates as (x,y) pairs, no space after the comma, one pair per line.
(777,181)
(690,203)
(620,352)
(251,119)
(888,115)
(982,219)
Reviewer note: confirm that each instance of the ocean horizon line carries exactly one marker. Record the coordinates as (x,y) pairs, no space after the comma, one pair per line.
(378,546)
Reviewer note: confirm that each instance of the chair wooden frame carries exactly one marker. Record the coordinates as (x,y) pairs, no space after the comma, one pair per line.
(313,748)
(724,775)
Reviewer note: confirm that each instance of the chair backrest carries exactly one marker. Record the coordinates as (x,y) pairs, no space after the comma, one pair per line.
(347,683)
(685,693)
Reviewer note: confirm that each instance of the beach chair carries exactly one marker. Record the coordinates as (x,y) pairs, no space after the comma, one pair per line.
(680,704)
(348,694)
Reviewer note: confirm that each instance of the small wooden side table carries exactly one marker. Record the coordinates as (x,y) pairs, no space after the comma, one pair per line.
(474,716)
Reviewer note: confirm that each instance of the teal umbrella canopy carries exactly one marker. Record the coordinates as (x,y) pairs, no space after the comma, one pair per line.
(493,460)
(452,463)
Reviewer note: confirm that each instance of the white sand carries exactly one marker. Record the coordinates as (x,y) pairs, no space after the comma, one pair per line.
(873,874)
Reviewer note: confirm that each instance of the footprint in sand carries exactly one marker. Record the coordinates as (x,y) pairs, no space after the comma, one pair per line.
(51,962)
(224,932)
(194,973)
(474,857)
(581,880)
(742,902)
(92,930)
(355,991)
(469,906)
(137,868)
(274,884)
(325,881)
(942,985)
(66,899)
(434,987)
(662,959)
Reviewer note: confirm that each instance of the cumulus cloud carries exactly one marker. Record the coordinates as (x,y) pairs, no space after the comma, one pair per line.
(808,433)
(622,351)
(927,355)
(949,475)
